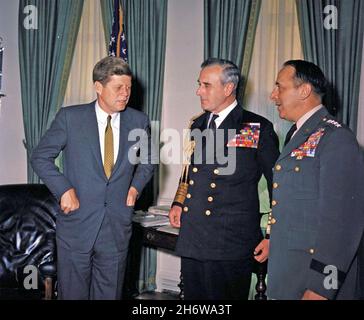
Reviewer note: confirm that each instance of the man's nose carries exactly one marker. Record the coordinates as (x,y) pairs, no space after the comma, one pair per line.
(124,91)
(273,95)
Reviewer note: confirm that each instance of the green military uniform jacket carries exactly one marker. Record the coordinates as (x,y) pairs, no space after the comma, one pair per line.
(318,212)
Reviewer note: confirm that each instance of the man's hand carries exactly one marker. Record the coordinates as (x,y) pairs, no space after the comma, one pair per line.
(261,251)
(132,197)
(175,216)
(69,201)
(310,295)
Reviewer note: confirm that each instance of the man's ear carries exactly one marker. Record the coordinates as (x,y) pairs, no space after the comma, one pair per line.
(305,90)
(229,89)
(98,87)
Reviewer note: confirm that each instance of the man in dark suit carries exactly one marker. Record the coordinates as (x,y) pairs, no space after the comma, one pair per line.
(103,176)
(218,215)
(318,209)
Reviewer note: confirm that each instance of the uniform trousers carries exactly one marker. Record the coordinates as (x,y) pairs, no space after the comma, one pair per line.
(216,280)
(94,275)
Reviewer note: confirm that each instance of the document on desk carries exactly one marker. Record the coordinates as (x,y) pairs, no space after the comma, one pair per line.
(159,210)
(169,229)
(150,220)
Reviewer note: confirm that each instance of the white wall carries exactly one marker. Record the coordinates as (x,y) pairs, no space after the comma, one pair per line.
(12,152)
(184,56)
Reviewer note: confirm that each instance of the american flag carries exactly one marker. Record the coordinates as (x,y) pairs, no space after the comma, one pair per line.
(117,44)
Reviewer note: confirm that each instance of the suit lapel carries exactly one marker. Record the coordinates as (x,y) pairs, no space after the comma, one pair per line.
(234,119)
(304,132)
(91,131)
(124,129)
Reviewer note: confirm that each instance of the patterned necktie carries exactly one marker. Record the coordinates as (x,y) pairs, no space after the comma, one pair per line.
(289,134)
(109,149)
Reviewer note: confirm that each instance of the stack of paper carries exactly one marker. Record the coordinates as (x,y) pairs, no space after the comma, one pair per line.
(147,219)
(159,210)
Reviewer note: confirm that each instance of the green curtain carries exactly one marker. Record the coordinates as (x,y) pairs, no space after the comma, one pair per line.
(230,27)
(45,57)
(145,23)
(107,7)
(337,51)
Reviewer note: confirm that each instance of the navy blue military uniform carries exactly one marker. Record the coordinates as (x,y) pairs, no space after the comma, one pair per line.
(318,212)
(221,219)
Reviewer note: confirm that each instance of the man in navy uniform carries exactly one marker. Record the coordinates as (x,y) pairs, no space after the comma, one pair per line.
(317,216)
(217,211)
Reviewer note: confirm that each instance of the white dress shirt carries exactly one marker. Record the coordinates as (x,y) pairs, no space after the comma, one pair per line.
(222,114)
(101,116)
(301,121)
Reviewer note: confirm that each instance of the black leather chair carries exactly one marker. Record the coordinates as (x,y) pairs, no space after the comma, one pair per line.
(27,238)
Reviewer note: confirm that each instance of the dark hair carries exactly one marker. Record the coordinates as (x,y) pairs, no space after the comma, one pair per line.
(308,72)
(230,73)
(108,67)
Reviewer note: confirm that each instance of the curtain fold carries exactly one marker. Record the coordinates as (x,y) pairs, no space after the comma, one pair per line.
(45,57)
(107,7)
(146,31)
(90,48)
(337,51)
(230,27)
(145,23)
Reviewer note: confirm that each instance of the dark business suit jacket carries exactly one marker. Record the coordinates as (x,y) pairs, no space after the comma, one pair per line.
(318,212)
(75,132)
(221,218)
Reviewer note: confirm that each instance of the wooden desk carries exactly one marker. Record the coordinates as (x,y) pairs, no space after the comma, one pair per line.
(151,237)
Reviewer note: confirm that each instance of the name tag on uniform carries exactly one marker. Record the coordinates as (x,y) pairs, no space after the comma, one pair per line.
(308,149)
(248,136)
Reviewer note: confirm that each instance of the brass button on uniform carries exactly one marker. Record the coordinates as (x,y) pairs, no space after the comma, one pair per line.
(216,171)
(274,203)
(312,251)
(213,185)
(275,185)
(188,196)
(278,167)
(195,170)
(297,169)
(208,212)
(210,199)
(192,182)
(185,209)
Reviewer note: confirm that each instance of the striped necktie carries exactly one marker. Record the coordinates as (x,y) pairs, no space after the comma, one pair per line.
(109,149)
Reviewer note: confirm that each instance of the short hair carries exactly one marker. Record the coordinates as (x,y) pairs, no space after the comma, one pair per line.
(308,72)
(108,67)
(230,73)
